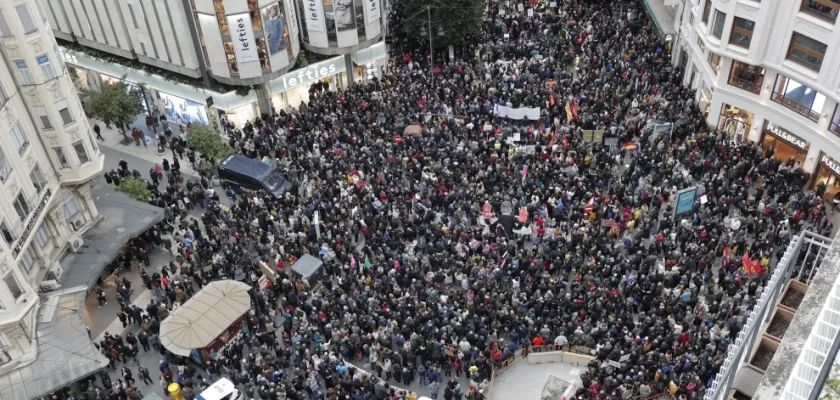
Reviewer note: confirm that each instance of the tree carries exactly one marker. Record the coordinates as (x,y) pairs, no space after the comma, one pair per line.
(113,104)
(209,145)
(135,188)
(457,20)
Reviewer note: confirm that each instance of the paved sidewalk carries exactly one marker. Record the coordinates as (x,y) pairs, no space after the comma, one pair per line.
(114,139)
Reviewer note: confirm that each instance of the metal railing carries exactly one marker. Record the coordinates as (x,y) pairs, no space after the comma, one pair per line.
(793,260)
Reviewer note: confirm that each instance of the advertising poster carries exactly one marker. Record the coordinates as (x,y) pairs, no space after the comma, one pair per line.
(685,201)
(342,13)
(372,11)
(313,14)
(275,31)
(183,111)
(292,23)
(242,37)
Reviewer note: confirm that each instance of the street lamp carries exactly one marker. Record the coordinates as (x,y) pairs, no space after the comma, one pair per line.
(431,49)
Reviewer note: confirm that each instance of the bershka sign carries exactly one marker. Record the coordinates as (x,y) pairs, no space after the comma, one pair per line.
(311,74)
(831,164)
(372,11)
(314,14)
(242,36)
(781,133)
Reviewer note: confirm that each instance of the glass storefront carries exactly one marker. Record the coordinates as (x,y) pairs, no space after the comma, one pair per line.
(828,174)
(735,121)
(784,144)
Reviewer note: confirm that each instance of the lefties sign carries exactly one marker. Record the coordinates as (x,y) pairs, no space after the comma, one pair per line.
(310,74)
(242,36)
(372,10)
(314,15)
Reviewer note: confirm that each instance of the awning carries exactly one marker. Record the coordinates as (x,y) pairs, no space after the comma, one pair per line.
(65,351)
(123,219)
(199,321)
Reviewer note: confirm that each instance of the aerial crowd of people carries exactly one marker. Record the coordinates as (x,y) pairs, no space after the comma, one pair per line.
(448,249)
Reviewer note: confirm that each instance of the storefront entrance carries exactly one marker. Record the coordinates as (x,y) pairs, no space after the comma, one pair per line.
(828,173)
(784,144)
(735,121)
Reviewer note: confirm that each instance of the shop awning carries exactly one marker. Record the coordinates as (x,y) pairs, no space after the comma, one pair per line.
(65,351)
(122,219)
(199,321)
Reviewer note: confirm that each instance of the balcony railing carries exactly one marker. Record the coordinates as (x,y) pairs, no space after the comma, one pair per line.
(21,230)
(799,108)
(750,86)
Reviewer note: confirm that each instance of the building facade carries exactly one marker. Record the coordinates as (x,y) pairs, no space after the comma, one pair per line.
(48,156)
(235,42)
(766,71)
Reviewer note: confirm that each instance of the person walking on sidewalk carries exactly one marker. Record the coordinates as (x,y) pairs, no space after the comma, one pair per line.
(96,130)
(100,296)
(126,373)
(144,375)
(143,338)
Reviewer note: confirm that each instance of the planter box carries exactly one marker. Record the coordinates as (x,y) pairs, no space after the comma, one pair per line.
(764,354)
(793,295)
(779,324)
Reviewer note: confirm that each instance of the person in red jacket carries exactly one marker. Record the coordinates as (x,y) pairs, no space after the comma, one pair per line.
(538,341)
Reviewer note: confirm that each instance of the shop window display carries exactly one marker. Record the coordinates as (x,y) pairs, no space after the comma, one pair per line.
(734,121)
(747,77)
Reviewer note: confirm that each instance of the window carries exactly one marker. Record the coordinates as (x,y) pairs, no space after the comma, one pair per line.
(23,72)
(3,97)
(25,18)
(42,235)
(720,21)
(746,76)
(69,207)
(702,44)
(80,152)
(38,179)
(834,126)
(798,97)
(27,259)
(46,124)
(714,61)
(19,138)
(21,206)
(12,284)
(64,112)
(7,234)
(41,10)
(742,30)
(5,166)
(806,51)
(706,10)
(824,9)
(5,30)
(46,67)
(62,159)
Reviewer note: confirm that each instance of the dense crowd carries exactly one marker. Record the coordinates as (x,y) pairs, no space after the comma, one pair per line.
(446,252)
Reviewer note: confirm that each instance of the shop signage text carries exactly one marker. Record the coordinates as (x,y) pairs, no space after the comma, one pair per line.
(311,74)
(831,164)
(242,36)
(371,11)
(314,11)
(787,136)
(28,228)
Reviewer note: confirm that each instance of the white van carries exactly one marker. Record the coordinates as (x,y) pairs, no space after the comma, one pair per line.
(223,389)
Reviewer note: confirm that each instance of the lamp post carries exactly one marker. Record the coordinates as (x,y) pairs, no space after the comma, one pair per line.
(431,49)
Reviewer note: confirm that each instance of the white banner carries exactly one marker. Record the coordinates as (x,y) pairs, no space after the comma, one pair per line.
(291,15)
(372,11)
(242,36)
(314,15)
(517,113)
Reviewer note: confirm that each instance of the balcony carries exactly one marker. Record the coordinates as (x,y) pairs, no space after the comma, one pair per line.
(22,230)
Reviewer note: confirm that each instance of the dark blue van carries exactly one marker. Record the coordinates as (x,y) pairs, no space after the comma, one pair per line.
(245,173)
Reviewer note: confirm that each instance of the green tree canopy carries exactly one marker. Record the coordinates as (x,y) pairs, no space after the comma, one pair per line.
(458,19)
(114,104)
(135,188)
(209,144)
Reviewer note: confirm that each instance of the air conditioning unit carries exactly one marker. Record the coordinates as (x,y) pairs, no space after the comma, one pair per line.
(76,244)
(55,272)
(77,224)
(48,286)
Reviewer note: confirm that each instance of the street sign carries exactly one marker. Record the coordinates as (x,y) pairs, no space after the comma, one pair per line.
(210,101)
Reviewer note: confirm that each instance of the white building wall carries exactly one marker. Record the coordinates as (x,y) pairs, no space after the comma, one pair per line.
(37,216)
(775,23)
